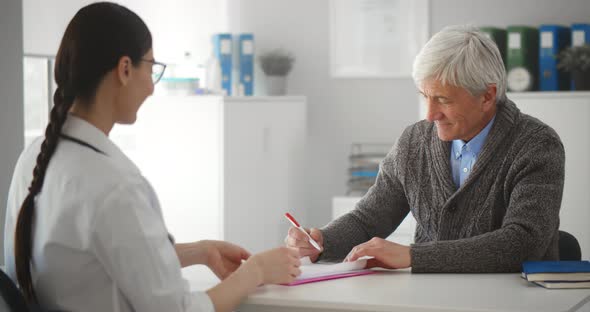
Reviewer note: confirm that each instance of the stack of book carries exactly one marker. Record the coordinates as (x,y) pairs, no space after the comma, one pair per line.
(557,274)
(364,166)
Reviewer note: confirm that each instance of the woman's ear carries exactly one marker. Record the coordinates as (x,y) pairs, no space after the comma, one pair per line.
(124,70)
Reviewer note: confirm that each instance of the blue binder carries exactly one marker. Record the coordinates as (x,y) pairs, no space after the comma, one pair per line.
(580,36)
(222,48)
(552,39)
(246,52)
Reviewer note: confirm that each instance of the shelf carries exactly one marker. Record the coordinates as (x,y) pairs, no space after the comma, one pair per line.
(284,98)
(548,95)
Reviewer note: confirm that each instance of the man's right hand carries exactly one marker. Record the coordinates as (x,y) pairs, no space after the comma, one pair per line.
(296,239)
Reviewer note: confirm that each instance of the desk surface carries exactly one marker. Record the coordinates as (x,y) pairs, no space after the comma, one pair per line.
(403,291)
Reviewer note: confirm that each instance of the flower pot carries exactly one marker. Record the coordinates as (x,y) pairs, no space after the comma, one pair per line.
(581,79)
(276,85)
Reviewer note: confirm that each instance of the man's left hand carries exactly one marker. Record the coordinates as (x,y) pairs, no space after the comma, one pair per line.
(386,254)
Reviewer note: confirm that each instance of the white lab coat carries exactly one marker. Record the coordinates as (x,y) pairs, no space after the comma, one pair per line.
(100,242)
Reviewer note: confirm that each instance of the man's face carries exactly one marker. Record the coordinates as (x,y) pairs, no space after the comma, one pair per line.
(456,113)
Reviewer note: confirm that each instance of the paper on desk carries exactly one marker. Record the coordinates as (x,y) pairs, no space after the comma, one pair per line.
(315,272)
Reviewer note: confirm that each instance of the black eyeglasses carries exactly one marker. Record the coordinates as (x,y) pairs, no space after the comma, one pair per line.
(157,70)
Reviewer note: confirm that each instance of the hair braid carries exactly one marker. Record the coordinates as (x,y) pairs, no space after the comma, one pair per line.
(23,252)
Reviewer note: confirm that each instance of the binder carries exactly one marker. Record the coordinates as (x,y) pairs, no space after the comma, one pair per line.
(553,39)
(522,58)
(580,36)
(498,35)
(246,64)
(222,50)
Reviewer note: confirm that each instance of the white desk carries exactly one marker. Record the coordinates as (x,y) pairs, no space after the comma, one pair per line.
(403,291)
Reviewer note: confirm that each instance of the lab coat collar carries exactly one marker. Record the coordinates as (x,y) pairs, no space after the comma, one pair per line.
(85,131)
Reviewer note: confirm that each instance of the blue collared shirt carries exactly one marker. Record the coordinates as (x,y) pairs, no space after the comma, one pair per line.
(464,155)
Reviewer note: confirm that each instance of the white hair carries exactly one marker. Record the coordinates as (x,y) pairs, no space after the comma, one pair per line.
(464,57)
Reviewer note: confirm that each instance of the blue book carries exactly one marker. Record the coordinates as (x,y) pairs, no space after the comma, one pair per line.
(246,75)
(222,49)
(562,285)
(553,39)
(556,271)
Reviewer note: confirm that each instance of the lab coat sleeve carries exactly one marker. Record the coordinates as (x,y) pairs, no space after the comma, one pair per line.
(131,241)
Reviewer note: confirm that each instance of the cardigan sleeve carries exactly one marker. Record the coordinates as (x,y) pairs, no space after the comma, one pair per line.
(377,214)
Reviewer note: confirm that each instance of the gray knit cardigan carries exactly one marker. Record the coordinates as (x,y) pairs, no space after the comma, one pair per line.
(506,212)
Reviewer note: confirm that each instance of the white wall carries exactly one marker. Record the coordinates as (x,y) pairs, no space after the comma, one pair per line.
(340,111)
(506,12)
(176,25)
(11,99)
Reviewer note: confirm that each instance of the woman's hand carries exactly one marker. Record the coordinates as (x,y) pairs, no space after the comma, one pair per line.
(224,258)
(276,266)
(221,257)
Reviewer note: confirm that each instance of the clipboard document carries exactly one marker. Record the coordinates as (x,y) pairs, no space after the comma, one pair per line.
(322,271)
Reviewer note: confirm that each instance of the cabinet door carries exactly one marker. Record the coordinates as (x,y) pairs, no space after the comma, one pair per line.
(263,160)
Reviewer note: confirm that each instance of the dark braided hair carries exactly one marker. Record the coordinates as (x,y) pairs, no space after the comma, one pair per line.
(92,45)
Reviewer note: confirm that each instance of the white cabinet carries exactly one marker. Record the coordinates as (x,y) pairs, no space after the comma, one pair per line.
(404,234)
(223,167)
(569,114)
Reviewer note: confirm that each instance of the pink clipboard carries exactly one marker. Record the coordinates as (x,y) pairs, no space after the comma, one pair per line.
(330,277)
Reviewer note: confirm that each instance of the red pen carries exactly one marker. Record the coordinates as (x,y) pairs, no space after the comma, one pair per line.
(296,224)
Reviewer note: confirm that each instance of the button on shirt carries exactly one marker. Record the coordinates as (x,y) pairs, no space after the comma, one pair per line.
(99,242)
(464,155)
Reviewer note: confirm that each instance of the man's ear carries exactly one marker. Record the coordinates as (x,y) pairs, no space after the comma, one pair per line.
(124,70)
(489,98)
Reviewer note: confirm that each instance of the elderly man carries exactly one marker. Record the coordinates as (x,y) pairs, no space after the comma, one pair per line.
(483,180)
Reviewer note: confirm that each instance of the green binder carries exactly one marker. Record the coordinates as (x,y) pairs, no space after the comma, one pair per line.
(522,58)
(498,35)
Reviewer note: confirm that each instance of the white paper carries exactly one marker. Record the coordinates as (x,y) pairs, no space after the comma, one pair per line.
(310,270)
(225,46)
(247,47)
(514,41)
(546,39)
(578,38)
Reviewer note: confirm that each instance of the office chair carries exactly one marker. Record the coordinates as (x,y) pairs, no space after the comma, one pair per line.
(10,296)
(569,248)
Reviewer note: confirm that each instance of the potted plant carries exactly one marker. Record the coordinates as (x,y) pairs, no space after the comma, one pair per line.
(576,60)
(276,65)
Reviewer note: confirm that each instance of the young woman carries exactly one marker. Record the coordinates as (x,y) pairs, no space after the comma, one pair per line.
(86,233)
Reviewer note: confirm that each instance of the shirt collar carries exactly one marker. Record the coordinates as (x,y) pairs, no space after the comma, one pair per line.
(475,144)
(85,131)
